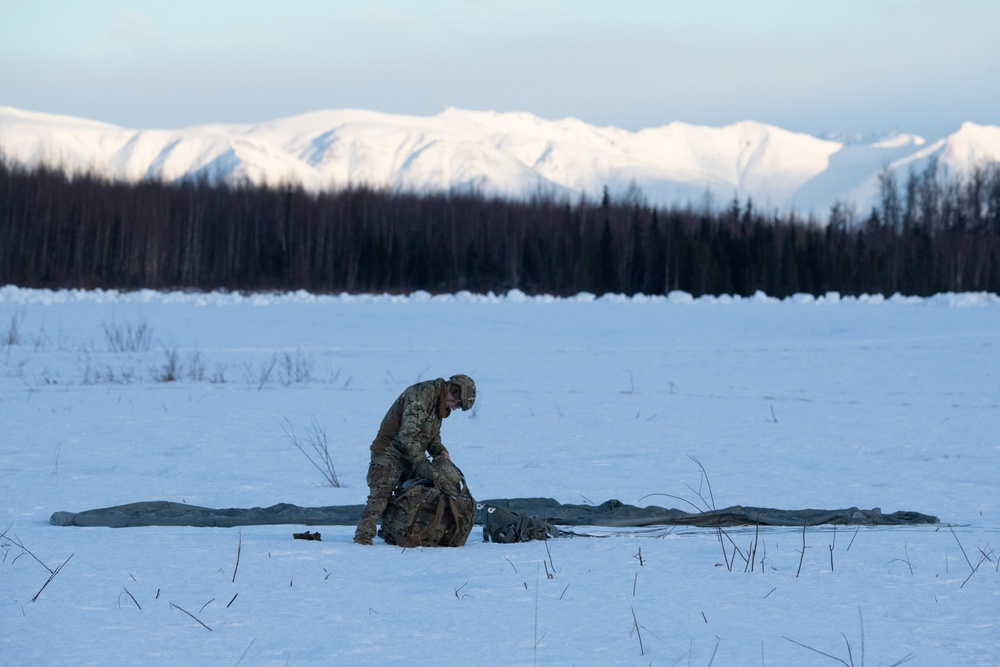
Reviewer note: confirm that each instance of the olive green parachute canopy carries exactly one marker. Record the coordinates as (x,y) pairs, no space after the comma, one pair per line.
(611,513)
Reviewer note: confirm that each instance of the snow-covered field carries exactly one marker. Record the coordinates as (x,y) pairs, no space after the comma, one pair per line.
(801,403)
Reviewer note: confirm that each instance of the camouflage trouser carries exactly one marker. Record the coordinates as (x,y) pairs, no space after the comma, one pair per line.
(384,473)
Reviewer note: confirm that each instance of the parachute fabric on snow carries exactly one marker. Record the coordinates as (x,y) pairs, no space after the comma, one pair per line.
(504,526)
(611,513)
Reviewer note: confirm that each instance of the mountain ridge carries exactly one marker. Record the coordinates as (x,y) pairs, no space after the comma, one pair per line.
(513,154)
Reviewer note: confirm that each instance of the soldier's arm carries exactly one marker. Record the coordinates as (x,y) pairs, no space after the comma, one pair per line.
(436,448)
(412,438)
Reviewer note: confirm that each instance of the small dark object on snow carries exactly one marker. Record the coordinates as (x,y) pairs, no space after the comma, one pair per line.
(307,536)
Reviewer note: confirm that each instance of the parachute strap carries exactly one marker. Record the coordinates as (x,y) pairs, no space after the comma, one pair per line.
(457,516)
(417,538)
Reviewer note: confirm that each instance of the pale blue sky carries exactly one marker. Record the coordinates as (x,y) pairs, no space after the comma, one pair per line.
(848,66)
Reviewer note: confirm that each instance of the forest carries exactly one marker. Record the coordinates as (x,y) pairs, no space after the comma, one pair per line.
(930,233)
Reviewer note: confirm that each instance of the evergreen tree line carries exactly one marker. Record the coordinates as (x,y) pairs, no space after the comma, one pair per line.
(930,234)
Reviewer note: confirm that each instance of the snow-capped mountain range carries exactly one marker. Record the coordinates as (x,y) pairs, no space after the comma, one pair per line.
(510,154)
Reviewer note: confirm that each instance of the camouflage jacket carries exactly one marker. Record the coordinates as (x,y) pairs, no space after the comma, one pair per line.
(412,425)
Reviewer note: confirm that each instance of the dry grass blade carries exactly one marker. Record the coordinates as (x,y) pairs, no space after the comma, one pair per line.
(51,577)
(852,538)
(239,548)
(13,334)
(850,655)
(192,616)
(128,337)
(708,483)
(20,545)
(320,457)
(246,651)
(133,598)
(802,556)
(635,622)
(962,548)
(815,650)
(714,651)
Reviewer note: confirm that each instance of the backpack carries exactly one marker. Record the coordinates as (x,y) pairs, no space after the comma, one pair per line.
(504,526)
(422,513)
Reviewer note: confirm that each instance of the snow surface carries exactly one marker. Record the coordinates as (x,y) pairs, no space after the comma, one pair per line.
(510,154)
(800,403)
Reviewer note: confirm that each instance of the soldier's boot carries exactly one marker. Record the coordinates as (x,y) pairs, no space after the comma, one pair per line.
(364,535)
(366,526)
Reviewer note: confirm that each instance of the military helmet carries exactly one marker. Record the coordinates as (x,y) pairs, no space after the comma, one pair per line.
(463,388)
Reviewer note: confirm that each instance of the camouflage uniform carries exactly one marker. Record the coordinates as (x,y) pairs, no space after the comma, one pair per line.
(411,427)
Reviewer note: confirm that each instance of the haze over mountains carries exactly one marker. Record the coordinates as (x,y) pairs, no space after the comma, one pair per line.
(509,154)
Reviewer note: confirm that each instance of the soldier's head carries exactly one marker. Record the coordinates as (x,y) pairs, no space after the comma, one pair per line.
(463,389)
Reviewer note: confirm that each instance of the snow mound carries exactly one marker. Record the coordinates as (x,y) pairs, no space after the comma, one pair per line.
(23,295)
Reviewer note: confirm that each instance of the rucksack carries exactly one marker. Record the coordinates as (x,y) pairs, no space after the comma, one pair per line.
(504,526)
(422,513)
